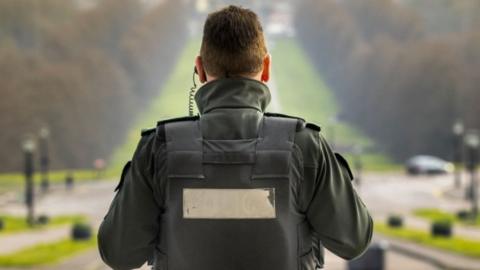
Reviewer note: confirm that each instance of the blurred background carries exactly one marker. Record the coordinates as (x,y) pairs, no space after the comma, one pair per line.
(394,84)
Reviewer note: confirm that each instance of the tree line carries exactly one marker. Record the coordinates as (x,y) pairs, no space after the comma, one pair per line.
(84,73)
(398,78)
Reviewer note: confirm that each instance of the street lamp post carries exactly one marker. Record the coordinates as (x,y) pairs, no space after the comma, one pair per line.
(458,132)
(472,141)
(69,180)
(28,148)
(44,158)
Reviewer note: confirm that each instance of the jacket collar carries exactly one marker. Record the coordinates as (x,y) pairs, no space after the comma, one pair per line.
(233,93)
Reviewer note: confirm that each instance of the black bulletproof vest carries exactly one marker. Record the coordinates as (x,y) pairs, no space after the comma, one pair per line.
(231,204)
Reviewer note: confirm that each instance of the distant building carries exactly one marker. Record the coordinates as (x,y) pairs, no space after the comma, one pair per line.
(86,4)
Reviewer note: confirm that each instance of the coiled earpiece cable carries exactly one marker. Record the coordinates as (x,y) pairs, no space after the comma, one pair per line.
(191,95)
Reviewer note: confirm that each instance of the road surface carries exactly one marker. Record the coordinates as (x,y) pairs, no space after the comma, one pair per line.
(383,193)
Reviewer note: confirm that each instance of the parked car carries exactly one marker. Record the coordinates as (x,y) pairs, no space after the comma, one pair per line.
(428,165)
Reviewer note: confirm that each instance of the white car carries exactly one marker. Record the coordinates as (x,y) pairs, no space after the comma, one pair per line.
(428,165)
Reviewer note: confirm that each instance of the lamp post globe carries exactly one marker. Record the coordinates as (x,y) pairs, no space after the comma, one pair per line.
(44,133)
(28,145)
(472,140)
(458,128)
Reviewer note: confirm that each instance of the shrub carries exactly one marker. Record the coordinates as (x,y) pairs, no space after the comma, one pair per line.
(43,220)
(395,221)
(2,224)
(81,231)
(441,228)
(464,215)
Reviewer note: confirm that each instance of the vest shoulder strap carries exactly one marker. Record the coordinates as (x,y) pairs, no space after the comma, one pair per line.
(183,135)
(184,145)
(300,121)
(274,148)
(160,128)
(277,133)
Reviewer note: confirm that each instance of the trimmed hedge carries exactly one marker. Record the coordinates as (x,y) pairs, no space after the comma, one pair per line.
(43,220)
(395,221)
(81,232)
(442,228)
(464,215)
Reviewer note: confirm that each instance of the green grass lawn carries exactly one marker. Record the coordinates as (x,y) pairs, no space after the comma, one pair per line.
(302,92)
(172,102)
(454,244)
(49,253)
(15,224)
(436,214)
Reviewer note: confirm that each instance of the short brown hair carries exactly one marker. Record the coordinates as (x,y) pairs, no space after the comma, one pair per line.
(233,42)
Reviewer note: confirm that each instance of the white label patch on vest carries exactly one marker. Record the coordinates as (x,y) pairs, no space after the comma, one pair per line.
(229,203)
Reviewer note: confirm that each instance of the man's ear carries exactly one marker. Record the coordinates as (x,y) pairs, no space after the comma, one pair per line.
(267,65)
(202,76)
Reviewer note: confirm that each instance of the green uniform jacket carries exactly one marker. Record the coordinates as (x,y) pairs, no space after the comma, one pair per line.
(232,109)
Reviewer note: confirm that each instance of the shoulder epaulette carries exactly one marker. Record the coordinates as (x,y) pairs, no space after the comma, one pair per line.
(178,119)
(148,131)
(313,127)
(301,123)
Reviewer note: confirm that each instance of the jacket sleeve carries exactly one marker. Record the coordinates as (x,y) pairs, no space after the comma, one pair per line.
(336,212)
(128,233)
